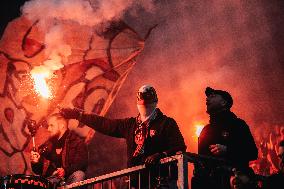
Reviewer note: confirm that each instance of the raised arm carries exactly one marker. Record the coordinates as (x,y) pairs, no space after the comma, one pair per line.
(110,127)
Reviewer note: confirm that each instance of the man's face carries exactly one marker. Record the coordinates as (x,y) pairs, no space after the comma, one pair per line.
(215,103)
(53,127)
(145,109)
(281,157)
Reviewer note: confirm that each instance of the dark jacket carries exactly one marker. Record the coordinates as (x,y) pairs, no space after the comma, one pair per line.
(74,156)
(165,134)
(225,129)
(229,130)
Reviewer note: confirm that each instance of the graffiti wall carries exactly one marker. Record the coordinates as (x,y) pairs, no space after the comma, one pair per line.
(66,65)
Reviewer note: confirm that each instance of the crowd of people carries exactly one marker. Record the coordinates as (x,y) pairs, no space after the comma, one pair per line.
(152,135)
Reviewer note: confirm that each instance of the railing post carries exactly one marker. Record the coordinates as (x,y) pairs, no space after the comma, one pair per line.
(182,181)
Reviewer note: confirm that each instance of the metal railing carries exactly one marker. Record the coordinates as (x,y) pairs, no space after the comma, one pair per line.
(172,169)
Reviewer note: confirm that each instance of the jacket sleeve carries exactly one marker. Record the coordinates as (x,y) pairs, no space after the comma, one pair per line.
(175,139)
(37,168)
(243,149)
(78,158)
(111,127)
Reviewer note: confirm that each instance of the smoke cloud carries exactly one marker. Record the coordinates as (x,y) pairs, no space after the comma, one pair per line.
(225,45)
(85,13)
(229,45)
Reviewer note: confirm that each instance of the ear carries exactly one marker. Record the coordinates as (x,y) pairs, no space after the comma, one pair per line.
(224,103)
(62,124)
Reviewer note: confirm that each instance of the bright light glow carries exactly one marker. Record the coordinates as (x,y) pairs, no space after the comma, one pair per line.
(39,76)
(198,129)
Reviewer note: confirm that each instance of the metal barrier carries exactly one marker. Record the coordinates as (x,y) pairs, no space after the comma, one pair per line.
(136,180)
(136,176)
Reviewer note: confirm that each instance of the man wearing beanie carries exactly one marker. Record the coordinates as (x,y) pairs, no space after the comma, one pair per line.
(226,137)
(150,135)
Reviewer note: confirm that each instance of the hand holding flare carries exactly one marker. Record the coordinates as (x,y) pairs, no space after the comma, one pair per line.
(32,126)
(69,113)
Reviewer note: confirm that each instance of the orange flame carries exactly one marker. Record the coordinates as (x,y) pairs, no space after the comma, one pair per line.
(39,76)
(198,129)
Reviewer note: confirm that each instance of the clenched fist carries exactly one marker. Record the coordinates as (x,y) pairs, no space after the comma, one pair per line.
(60,172)
(153,159)
(69,113)
(34,157)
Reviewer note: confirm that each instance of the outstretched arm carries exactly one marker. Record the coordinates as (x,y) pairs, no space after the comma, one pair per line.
(110,127)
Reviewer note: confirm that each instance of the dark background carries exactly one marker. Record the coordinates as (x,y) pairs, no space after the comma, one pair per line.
(236,46)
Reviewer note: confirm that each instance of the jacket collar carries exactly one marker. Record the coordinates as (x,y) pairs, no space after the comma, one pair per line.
(222,117)
(156,115)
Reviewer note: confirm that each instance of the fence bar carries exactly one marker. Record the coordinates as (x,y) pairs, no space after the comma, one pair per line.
(181,161)
(182,172)
(139,179)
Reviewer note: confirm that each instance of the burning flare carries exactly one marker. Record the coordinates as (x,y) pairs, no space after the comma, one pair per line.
(198,129)
(40,76)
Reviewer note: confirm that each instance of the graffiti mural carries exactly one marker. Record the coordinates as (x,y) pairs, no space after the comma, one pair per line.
(89,78)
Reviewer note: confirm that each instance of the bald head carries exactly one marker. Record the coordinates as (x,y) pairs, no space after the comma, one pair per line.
(146,95)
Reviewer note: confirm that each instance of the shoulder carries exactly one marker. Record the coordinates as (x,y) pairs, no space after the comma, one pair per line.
(165,122)
(206,128)
(163,117)
(240,123)
(130,119)
(236,121)
(74,136)
(49,142)
(169,121)
(128,122)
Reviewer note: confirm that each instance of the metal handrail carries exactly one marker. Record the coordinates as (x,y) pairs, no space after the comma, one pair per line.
(181,164)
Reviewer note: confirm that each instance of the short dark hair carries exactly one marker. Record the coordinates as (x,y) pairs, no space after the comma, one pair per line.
(58,116)
(281,143)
